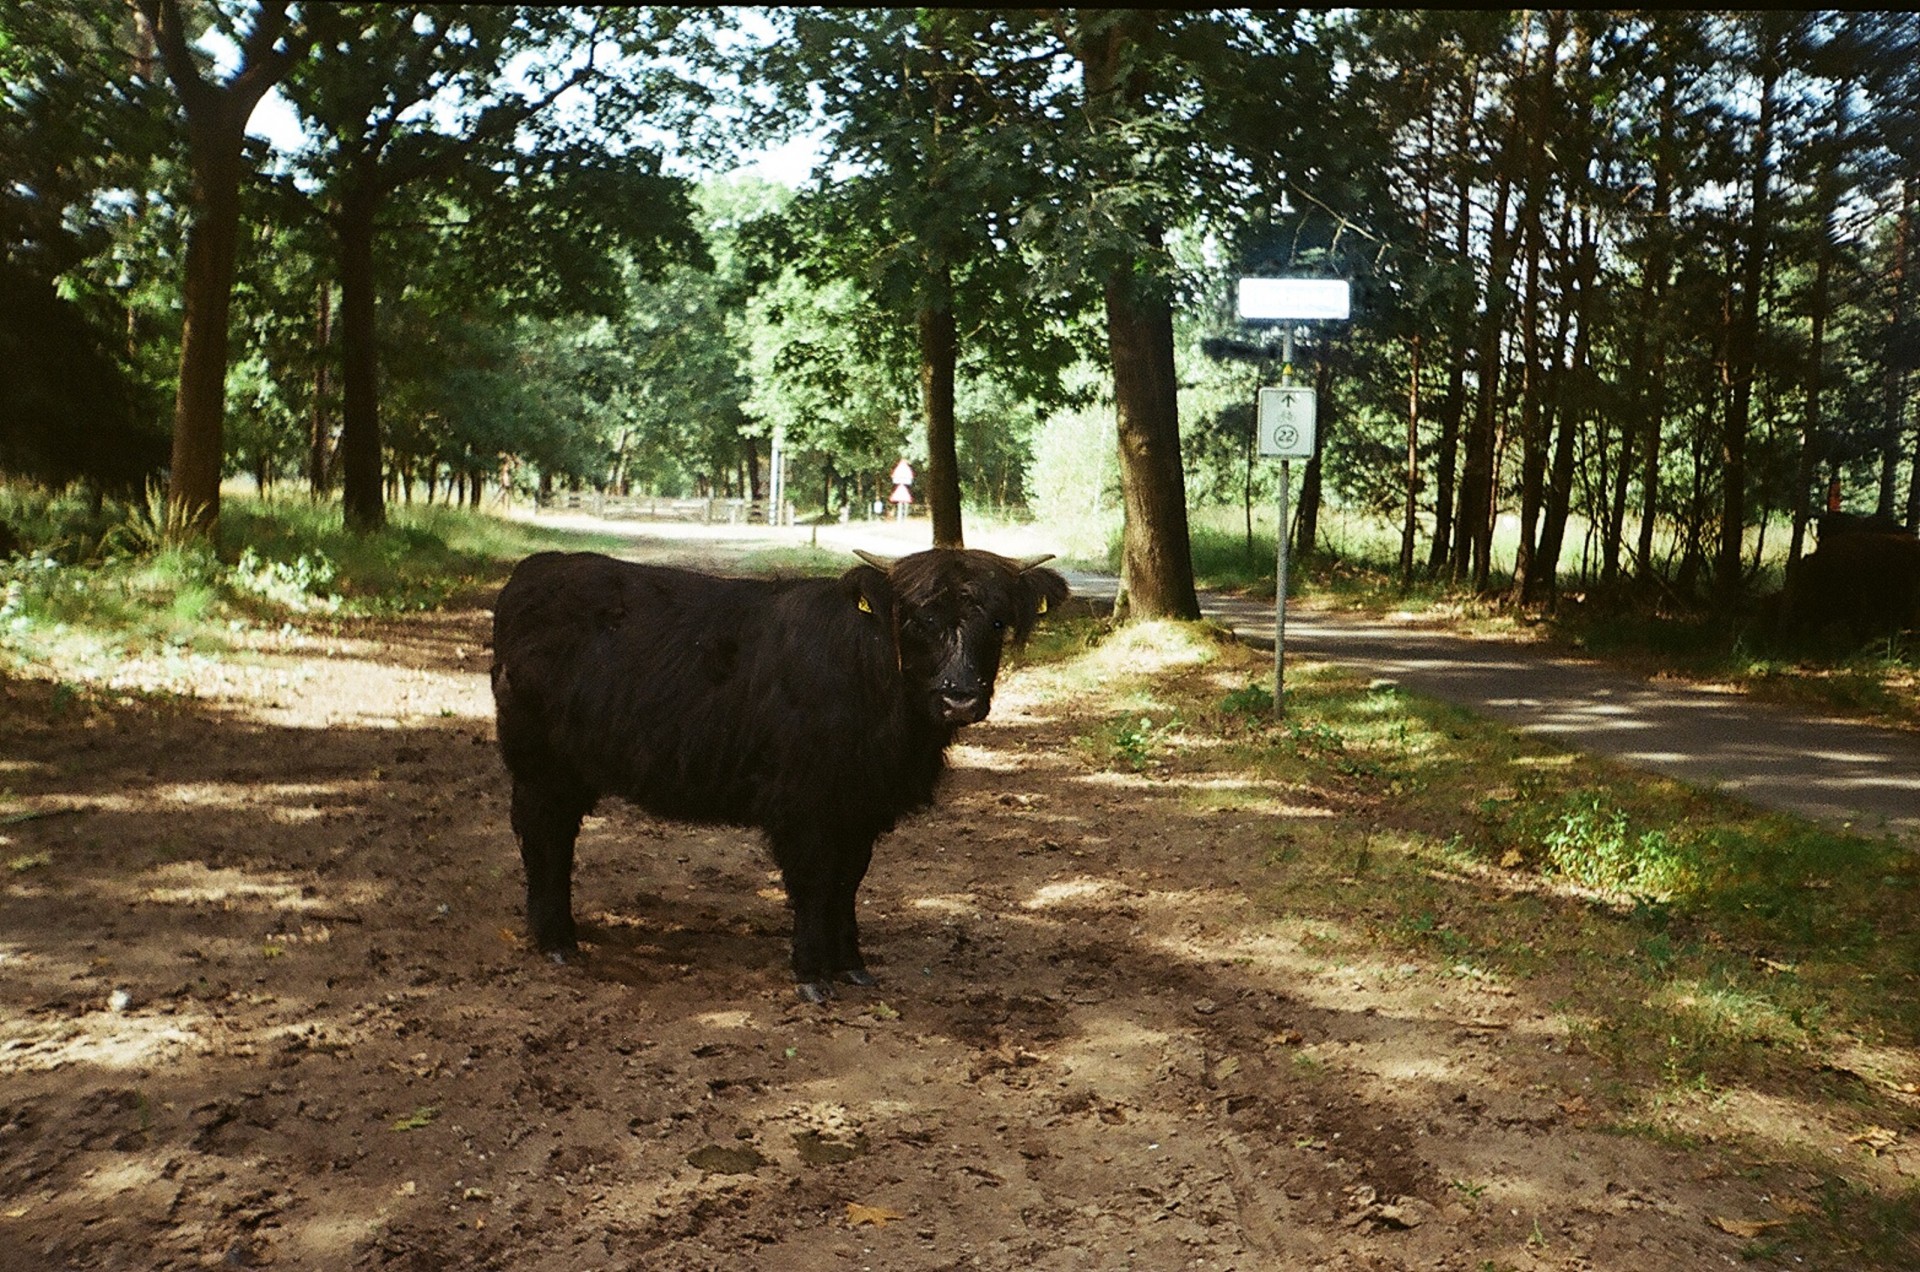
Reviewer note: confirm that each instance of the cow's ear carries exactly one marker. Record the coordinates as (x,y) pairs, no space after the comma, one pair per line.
(867,590)
(1041,591)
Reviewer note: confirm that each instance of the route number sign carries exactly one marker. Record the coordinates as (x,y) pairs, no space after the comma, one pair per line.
(1285,419)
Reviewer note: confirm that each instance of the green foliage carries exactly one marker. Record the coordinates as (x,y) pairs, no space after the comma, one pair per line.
(1073,480)
(126,588)
(1255,703)
(1592,844)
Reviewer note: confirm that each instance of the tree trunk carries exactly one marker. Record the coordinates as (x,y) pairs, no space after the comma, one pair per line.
(200,402)
(1745,336)
(939,349)
(1535,374)
(1811,427)
(1156,565)
(217,115)
(1575,395)
(1459,350)
(363,496)
(317,442)
(1307,542)
(1896,371)
(1653,378)
(1411,513)
(1474,529)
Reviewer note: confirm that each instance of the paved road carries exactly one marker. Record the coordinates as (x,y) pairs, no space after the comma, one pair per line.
(1832,770)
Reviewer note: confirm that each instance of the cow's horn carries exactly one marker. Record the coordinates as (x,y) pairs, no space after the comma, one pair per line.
(1028,563)
(880,563)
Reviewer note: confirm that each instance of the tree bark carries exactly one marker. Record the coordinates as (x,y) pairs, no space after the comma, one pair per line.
(317,442)
(1535,376)
(1745,335)
(217,115)
(1459,349)
(1411,513)
(1810,423)
(362,493)
(1307,541)
(939,350)
(1474,528)
(1156,564)
(1574,397)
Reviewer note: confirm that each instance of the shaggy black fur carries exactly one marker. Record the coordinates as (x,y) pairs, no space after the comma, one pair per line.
(817,710)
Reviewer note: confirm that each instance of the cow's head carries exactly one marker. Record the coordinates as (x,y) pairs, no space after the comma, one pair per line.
(952,612)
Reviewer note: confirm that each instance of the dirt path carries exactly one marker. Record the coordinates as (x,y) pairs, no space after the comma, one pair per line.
(264,1001)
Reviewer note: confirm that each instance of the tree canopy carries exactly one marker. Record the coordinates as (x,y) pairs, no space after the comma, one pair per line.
(1634,290)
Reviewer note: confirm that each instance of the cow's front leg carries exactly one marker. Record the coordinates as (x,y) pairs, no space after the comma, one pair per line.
(843,922)
(822,878)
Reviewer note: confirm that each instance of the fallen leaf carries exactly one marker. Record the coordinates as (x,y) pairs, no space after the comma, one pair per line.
(878,1216)
(1748,1228)
(881,1011)
(1511,858)
(1226,1068)
(510,936)
(1877,1138)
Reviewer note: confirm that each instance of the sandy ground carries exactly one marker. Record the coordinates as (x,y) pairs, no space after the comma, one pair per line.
(265,1001)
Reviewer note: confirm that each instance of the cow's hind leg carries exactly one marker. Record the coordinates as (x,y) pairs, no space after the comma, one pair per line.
(547,824)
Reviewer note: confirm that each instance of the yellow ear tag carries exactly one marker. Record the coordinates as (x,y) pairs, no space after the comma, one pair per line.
(1043,606)
(864,607)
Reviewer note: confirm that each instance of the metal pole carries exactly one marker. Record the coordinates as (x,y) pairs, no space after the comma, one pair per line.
(1280,553)
(1280,600)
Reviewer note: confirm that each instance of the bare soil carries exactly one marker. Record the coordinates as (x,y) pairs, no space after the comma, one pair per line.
(267,1002)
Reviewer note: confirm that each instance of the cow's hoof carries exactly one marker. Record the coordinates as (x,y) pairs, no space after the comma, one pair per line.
(860,976)
(814,991)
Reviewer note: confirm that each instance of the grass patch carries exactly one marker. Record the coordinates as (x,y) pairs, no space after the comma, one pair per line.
(97,585)
(1710,956)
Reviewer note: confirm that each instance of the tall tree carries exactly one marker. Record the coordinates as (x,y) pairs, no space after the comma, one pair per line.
(217,111)
(929,116)
(1771,34)
(422,96)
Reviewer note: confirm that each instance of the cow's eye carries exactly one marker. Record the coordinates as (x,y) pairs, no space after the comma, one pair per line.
(999,625)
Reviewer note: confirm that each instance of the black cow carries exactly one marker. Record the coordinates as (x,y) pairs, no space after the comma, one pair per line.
(817,710)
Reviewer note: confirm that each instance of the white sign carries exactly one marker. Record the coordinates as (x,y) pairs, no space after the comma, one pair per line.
(1286,421)
(1268,299)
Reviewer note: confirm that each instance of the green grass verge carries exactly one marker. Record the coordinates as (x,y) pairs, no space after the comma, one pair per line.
(1718,962)
(98,583)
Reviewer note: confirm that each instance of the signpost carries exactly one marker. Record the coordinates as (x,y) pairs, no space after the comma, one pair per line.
(902,496)
(1287,415)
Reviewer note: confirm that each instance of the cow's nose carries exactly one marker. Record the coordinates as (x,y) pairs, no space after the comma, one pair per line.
(963,706)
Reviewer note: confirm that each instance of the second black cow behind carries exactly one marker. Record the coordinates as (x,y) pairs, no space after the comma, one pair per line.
(819,710)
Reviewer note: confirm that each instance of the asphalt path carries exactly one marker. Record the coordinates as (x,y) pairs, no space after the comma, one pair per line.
(1832,770)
